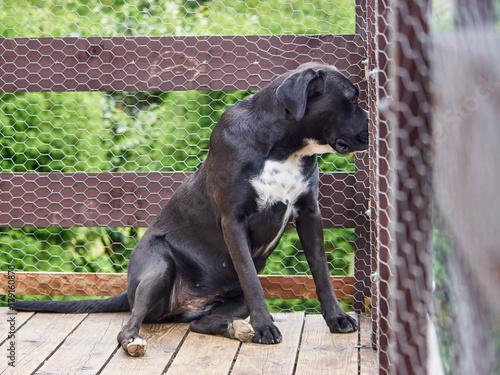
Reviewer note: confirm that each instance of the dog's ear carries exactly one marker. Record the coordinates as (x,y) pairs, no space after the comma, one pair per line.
(297,89)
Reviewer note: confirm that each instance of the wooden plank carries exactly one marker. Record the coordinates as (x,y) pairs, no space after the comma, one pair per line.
(10,319)
(163,341)
(66,284)
(88,347)
(322,352)
(204,355)
(167,63)
(272,359)
(303,287)
(84,199)
(132,199)
(109,284)
(37,339)
(368,356)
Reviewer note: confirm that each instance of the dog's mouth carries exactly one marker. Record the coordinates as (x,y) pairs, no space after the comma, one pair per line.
(342,147)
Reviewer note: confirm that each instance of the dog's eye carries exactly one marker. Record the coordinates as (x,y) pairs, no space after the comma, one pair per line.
(354,100)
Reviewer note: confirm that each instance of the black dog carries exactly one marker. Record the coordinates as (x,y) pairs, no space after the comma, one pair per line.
(199,259)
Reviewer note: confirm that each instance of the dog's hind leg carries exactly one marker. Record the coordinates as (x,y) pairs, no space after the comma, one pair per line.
(150,301)
(226,320)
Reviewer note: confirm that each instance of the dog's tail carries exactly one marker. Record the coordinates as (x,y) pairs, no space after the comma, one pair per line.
(116,303)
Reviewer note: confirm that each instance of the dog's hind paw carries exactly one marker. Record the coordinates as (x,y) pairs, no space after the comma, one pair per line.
(241,330)
(136,347)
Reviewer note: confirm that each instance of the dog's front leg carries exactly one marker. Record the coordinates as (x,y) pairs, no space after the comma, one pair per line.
(310,230)
(237,241)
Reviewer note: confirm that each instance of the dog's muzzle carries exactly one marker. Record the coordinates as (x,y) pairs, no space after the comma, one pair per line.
(342,147)
(360,143)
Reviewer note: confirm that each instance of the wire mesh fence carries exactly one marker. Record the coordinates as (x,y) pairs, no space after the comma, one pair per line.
(106,107)
(430,99)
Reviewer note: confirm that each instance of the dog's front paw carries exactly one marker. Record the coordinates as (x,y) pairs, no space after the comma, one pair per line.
(136,346)
(342,323)
(267,333)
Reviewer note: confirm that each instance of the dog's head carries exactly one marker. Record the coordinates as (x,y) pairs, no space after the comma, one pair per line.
(321,99)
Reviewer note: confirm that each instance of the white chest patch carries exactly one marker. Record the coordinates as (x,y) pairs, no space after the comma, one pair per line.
(279,181)
(283,181)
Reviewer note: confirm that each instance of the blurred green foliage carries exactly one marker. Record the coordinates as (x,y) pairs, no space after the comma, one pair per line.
(139,131)
(83,18)
(443,250)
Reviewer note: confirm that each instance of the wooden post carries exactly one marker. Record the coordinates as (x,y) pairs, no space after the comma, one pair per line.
(412,254)
(363,242)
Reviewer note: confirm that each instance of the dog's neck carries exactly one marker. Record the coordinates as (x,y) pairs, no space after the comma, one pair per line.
(312,147)
(306,147)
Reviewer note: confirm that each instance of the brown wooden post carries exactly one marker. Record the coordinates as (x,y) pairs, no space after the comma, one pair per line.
(412,254)
(362,232)
(383,180)
(378,34)
(362,243)
(399,181)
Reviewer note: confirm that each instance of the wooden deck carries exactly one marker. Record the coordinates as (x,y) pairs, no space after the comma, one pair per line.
(86,344)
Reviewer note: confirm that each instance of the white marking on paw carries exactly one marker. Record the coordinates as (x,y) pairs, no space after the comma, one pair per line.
(137,347)
(241,330)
